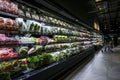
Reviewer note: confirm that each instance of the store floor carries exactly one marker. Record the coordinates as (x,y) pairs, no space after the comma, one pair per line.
(104,66)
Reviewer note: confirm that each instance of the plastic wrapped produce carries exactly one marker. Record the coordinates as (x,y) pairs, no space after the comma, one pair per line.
(14,8)
(7,53)
(1,22)
(21,10)
(14,25)
(8,6)
(33,26)
(28,11)
(8,23)
(23,51)
(21,24)
(26,40)
(1,5)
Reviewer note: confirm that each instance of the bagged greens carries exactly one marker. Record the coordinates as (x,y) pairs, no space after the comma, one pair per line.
(33,26)
(22,25)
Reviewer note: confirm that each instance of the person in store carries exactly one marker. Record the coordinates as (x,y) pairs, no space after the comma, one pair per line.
(108,45)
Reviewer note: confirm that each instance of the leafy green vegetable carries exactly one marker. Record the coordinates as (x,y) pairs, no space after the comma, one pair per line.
(31,27)
(57,57)
(46,58)
(22,51)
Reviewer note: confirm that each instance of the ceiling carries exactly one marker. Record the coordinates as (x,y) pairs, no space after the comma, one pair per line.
(77,8)
(108,12)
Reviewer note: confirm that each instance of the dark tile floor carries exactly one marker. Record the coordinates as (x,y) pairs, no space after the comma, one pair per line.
(104,66)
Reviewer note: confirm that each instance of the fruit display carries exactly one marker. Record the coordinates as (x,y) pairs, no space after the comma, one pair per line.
(7,53)
(7,23)
(8,6)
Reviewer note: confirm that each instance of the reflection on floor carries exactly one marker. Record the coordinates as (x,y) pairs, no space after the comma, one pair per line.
(104,66)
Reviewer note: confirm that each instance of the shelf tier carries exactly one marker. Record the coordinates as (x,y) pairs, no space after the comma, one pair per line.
(18,32)
(63,65)
(32,54)
(6,14)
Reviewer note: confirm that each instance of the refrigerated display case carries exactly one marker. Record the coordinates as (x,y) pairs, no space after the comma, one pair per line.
(35,45)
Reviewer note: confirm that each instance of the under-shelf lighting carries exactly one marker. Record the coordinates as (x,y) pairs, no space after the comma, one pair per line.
(97,0)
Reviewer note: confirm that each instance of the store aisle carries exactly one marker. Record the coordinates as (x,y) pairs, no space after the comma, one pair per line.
(104,66)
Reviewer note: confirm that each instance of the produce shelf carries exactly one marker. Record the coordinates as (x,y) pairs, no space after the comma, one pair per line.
(17,58)
(29,55)
(14,45)
(57,42)
(27,18)
(8,14)
(18,32)
(44,73)
(26,44)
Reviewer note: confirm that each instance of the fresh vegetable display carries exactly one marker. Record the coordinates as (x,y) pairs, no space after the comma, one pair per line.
(26,40)
(59,38)
(23,51)
(33,26)
(32,39)
(39,60)
(9,69)
(66,53)
(56,47)
(43,50)
(22,25)
(29,25)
